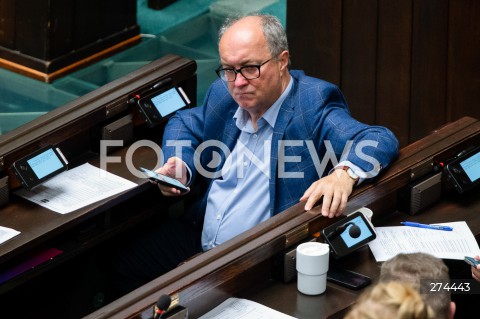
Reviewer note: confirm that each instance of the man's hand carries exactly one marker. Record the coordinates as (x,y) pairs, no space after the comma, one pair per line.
(170,168)
(334,188)
(476,271)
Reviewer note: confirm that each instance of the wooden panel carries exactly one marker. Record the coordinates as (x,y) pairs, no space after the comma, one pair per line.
(116,15)
(31,29)
(315,39)
(393,66)
(45,39)
(7,23)
(464,59)
(87,20)
(359,45)
(60,31)
(424,55)
(115,11)
(429,63)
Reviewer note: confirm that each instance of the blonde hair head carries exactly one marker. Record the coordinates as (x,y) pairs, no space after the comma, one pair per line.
(392,300)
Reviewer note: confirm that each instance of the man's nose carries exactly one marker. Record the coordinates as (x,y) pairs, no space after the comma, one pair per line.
(240,80)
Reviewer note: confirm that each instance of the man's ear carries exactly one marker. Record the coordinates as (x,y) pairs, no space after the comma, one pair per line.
(284,58)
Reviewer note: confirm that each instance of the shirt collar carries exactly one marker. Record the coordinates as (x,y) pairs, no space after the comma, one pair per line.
(270,116)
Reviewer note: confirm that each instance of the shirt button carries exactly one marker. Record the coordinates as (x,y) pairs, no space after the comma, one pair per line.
(255,135)
(218,217)
(245,163)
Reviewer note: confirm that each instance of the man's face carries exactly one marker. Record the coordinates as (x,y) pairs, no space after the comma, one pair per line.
(244,44)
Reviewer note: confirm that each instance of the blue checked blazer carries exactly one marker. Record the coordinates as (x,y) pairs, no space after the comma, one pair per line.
(314,111)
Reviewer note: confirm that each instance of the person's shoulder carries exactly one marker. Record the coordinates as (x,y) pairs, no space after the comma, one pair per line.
(301,77)
(311,87)
(218,99)
(217,91)
(218,86)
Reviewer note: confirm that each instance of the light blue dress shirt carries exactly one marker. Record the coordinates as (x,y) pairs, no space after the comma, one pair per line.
(240,199)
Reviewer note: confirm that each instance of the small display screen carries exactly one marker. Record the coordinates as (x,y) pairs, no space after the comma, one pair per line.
(45,163)
(168,102)
(349,234)
(364,232)
(471,166)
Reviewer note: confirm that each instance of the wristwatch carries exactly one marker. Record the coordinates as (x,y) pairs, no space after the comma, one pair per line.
(351,174)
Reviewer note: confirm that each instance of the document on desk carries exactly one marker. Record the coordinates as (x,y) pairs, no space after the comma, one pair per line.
(76,188)
(455,244)
(7,233)
(245,309)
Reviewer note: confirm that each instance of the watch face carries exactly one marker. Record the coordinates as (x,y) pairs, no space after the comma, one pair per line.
(352,174)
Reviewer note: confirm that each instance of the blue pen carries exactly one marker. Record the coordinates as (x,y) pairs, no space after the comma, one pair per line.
(436,227)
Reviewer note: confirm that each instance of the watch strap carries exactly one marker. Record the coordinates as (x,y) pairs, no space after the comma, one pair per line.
(351,174)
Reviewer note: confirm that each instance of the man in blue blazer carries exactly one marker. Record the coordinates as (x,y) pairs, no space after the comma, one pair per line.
(265,139)
(310,125)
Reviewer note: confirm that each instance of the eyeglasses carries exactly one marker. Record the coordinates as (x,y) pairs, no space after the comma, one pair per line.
(249,72)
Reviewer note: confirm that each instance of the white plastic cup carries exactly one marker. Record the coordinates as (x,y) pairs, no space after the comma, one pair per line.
(312,265)
(367,213)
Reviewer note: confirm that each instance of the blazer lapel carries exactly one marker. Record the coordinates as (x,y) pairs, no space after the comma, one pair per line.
(231,132)
(284,117)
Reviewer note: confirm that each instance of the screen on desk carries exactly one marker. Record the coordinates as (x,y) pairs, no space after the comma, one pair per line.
(471,166)
(37,167)
(348,234)
(364,233)
(45,163)
(168,102)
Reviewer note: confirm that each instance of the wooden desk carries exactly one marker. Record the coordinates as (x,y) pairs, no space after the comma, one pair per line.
(244,265)
(337,300)
(77,129)
(76,232)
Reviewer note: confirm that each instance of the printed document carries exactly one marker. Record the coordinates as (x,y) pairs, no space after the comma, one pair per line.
(245,309)
(455,244)
(7,233)
(76,188)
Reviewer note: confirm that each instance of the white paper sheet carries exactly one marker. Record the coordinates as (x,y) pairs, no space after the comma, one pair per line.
(7,233)
(76,188)
(243,309)
(455,244)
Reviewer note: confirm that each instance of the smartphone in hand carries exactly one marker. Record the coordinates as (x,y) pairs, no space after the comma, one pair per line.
(164,180)
(472,261)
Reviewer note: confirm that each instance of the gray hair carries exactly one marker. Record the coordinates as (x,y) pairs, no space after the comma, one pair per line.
(272,30)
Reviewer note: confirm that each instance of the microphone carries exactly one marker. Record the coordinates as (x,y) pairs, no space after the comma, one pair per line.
(161,306)
(134,98)
(161,83)
(354,231)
